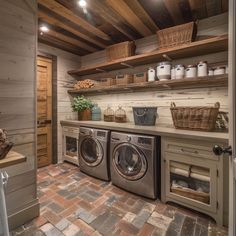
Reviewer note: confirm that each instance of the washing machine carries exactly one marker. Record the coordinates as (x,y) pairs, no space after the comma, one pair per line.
(93,152)
(135,163)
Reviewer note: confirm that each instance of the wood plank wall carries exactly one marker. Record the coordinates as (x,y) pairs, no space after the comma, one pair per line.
(216,25)
(65,62)
(18,30)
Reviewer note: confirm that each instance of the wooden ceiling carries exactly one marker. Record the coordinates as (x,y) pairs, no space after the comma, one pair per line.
(106,22)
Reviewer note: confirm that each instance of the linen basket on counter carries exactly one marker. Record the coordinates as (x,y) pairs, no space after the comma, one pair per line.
(145,115)
(201,118)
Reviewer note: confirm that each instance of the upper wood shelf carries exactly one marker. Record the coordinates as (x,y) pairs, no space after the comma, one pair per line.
(203,82)
(12,158)
(197,48)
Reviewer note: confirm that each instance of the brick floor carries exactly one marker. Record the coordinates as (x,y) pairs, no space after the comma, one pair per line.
(75,204)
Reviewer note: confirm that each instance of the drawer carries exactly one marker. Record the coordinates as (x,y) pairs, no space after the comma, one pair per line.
(190,147)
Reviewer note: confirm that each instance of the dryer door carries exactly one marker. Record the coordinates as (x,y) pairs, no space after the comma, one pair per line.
(91,151)
(129,161)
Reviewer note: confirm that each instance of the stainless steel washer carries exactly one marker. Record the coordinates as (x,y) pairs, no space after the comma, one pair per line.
(93,150)
(134,163)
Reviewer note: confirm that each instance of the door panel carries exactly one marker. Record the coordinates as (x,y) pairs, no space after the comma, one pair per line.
(44,111)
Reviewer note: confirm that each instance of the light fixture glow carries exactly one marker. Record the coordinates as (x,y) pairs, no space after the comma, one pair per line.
(82,3)
(44,28)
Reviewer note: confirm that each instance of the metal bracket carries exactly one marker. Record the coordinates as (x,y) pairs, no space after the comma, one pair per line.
(167,57)
(126,64)
(100,70)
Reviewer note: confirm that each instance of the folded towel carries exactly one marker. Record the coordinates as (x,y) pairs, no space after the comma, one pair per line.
(179,171)
(180,165)
(200,177)
(200,170)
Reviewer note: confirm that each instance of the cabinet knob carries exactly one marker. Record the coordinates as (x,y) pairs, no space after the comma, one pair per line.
(218,150)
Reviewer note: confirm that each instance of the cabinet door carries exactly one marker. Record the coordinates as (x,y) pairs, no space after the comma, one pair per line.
(191,181)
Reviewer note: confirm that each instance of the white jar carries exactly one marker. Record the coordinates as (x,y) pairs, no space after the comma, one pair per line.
(151,74)
(163,70)
(219,70)
(202,69)
(172,72)
(210,72)
(179,71)
(191,71)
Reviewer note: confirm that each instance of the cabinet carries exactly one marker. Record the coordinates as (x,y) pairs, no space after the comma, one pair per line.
(192,176)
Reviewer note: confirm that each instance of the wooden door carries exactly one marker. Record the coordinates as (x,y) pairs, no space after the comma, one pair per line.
(44,111)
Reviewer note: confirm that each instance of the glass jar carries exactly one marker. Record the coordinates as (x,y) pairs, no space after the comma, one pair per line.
(109,114)
(120,115)
(96,113)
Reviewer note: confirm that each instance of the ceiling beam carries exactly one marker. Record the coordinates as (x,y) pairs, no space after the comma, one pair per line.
(66,13)
(70,40)
(53,21)
(139,11)
(124,10)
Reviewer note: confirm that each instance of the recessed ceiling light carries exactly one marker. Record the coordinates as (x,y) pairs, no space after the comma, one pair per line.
(44,28)
(82,3)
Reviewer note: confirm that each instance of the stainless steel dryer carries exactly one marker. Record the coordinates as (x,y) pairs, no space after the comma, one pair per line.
(93,150)
(134,163)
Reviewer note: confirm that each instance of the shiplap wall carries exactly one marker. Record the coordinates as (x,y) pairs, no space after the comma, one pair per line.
(216,25)
(65,62)
(18,41)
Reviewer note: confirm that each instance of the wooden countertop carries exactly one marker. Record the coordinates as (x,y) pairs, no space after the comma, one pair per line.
(12,158)
(151,130)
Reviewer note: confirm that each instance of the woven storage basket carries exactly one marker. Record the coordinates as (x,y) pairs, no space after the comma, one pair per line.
(120,50)
(105,82)
(195,118)
(140,77)
(124,79)
(177,35)
(190,193)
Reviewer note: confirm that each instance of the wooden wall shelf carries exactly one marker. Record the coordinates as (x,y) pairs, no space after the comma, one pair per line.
(203,82)
(197,48)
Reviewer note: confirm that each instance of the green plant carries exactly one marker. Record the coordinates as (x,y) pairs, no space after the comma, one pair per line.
(81,103)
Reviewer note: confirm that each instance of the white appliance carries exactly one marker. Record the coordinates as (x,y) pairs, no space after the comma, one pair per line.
(70,144)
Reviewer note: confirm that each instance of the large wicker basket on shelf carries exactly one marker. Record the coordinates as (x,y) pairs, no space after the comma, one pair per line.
(195,118)
(120,50)
(177,35)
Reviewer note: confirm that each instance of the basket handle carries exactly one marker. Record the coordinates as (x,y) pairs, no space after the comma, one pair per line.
(217,105)
(172,105)
(144,113)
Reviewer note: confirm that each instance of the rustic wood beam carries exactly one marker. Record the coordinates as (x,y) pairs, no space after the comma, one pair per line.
(70,40)
(53,21)
(124,10)
(139,10)
(66,13)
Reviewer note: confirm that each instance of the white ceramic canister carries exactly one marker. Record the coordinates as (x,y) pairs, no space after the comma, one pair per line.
(151,74)
(210,72)
(202,68)
(172,72)
(179,71)
(191,71)
(163,70)
(220,70)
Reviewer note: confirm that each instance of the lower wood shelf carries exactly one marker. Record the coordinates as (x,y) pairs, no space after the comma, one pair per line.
(12,158)
(203,82)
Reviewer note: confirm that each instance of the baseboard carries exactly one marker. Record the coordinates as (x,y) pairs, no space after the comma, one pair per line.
(24,215)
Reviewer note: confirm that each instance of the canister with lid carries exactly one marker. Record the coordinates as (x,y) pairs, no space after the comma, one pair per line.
(109,114)
(191,71)
(163,70)
(220,70)
(179,71)
(210,72)
(202,68)
(172,72)
(151,74)
(96,112)
(120,115)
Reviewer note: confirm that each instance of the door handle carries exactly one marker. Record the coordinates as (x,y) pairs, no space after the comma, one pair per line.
(218,150)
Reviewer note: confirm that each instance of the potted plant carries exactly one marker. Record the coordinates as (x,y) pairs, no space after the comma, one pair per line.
(83,106)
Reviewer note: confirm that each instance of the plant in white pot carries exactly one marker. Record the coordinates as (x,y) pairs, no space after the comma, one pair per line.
(83,106)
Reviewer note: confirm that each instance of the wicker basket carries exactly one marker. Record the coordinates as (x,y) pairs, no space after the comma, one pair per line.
(177,35)
(120,50)
(140,77)
(124,79)
(190,193)
(195,118)
(105,82)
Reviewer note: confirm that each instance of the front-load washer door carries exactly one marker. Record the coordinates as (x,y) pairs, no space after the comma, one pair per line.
(129,161)
(91,151)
